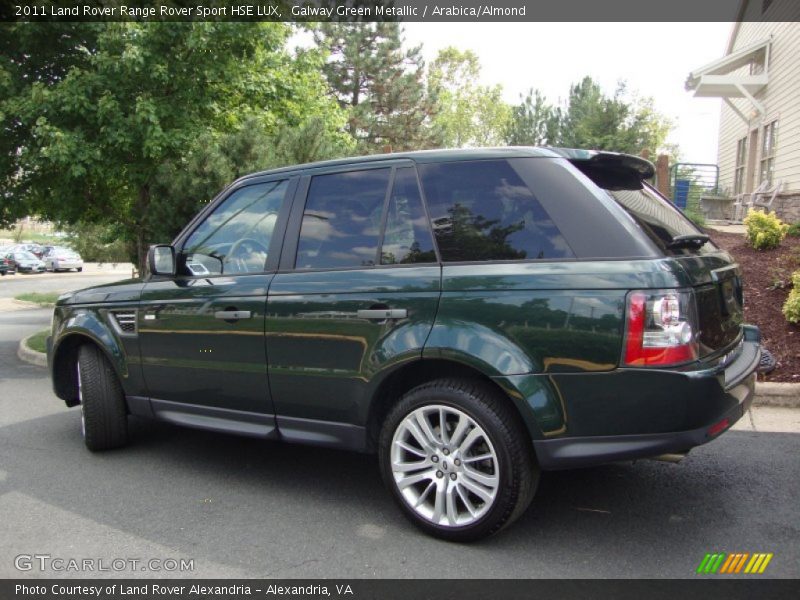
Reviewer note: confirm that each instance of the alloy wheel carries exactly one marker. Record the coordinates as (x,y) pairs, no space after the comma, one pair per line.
(445,466)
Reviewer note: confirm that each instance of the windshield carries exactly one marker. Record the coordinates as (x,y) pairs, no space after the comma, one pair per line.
(24,256)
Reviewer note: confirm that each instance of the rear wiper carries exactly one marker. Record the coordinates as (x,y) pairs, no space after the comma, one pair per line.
(691,240)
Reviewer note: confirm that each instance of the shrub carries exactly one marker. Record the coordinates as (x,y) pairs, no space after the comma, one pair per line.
(97,243)
(794,230)
(764,230)
(693,212)
(791,308)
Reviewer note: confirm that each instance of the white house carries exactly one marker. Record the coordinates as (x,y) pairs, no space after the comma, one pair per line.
(758,80)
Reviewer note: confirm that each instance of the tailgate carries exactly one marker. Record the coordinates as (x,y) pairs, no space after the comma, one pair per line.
(718,291)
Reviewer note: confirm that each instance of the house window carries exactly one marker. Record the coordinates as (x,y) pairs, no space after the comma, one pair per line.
(741,162)
(768,141)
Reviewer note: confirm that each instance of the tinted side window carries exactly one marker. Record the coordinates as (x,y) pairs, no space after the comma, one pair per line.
(482,210)
(342,220)
(408,236)
(235,237)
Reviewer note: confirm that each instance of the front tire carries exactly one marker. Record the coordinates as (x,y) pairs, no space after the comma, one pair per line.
(457,460)
(104,416)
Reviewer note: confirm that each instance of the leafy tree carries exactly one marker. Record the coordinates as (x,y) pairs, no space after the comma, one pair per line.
(379,83)
(468,114)
(123,106)
(591,119)
(97,243)
(311,141)
(213,161)
(39,55)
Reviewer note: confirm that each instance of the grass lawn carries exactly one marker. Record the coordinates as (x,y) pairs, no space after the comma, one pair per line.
(45,299)
(38,341)
(30,237)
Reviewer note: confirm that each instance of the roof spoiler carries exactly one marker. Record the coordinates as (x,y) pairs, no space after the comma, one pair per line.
(592,161)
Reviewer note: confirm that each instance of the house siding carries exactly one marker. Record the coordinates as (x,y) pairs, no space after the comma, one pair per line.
(781,98)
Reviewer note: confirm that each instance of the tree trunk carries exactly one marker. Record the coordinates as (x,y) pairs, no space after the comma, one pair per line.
(141,252)
(142,204)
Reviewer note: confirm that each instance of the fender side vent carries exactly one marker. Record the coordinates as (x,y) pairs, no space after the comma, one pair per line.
(125,322)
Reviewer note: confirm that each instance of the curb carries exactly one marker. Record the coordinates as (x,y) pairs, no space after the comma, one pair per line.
(785,395)
(26,354)
(25,304)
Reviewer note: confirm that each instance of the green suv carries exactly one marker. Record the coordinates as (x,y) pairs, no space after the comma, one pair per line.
(471,316)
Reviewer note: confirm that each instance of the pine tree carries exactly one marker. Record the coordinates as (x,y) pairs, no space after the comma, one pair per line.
(380,83)
(533,122)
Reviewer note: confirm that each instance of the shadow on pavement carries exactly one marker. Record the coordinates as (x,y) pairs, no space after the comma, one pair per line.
(247,503)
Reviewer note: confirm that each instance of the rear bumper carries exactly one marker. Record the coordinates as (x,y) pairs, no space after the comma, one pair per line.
(67,264)
(721,396)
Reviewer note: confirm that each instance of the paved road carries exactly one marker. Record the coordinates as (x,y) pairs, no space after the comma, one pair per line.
(242,507)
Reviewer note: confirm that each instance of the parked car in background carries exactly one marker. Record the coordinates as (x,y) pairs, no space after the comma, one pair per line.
(6,265)
(36,249)
(25,262)
(473,317)
(59,258)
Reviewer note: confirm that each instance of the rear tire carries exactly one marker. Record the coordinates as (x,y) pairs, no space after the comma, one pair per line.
(470,481)
(104,416)
(80,269)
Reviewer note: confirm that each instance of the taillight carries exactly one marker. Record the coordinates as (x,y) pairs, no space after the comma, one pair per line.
(718,428)
(660,328)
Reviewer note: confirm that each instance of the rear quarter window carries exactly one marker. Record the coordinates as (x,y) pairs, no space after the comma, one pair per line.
(484,211)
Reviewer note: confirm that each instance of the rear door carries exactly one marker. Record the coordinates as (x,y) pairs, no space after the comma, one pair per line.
(357,293)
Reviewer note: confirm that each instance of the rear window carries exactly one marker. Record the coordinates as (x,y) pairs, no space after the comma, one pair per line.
(483,211)
(660,220)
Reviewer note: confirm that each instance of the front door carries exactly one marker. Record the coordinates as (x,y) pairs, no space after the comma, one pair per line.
(358,295)
(202,331)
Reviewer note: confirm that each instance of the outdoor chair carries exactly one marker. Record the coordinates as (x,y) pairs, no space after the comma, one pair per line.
(744,201)
(765,199)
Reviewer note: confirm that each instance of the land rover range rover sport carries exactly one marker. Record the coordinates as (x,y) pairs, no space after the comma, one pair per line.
(472,317)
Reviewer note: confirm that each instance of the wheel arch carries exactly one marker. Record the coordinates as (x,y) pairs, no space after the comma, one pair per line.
(412,374)
(65,356)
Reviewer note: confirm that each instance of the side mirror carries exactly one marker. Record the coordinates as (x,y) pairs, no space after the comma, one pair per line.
(161,260)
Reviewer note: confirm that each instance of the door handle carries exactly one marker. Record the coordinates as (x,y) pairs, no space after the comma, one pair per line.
(232,315)
(382,313)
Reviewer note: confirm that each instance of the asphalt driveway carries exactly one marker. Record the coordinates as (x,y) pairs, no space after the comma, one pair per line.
(247,508)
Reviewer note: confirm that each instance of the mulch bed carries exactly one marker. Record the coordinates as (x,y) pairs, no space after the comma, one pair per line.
(766,276)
